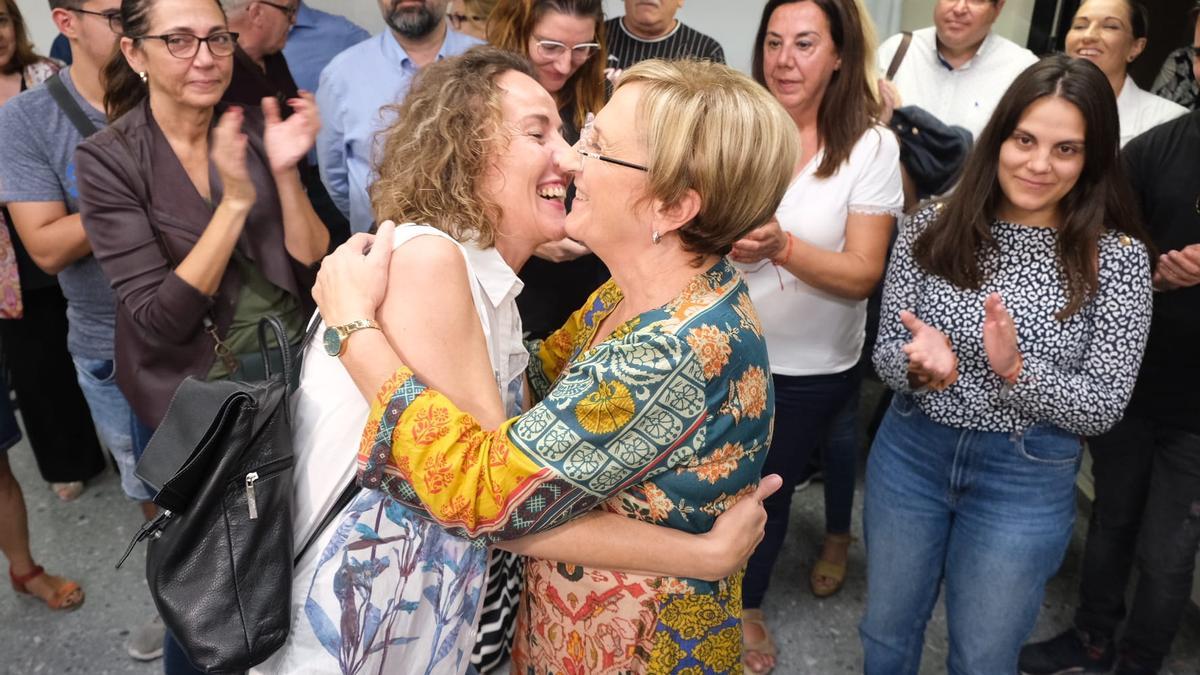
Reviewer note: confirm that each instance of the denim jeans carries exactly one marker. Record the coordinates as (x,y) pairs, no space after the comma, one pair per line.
(840,464)
(987,514)
(1147,510)
(110,412)
(805,407)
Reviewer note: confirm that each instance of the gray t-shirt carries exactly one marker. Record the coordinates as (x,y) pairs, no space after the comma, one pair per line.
(37,164)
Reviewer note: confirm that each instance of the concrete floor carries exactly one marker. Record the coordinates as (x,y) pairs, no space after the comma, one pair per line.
(83,540)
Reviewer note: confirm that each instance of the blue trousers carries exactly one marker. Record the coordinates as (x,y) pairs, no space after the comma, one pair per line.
(989,515)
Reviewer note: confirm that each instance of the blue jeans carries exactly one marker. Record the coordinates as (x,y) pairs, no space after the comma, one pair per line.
(987,514)
(110,412)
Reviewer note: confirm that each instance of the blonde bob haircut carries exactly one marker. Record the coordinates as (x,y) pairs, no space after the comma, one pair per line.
(714,130)
(445,135)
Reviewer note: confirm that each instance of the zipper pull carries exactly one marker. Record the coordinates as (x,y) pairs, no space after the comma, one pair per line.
(150,530)
(251,501)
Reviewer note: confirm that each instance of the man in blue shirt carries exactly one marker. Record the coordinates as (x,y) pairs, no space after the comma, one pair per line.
(360,81)
(315,39)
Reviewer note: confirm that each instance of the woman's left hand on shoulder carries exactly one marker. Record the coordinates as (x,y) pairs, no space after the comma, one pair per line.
(353,280)
(288,141)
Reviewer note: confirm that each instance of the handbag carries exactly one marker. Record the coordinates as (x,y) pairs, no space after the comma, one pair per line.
(219,563)
(932,152)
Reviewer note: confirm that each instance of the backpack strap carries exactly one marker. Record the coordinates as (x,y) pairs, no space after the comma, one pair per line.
(899,57)
(70,107)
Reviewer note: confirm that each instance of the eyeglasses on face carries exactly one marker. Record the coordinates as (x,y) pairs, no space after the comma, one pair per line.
(289,12)
(113,17)
(186,45)
(552,49)
(587,147)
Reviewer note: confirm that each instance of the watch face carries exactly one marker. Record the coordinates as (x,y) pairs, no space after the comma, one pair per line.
(333,342)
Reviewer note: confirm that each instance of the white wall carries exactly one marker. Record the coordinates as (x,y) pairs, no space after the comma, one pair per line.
(1012,24)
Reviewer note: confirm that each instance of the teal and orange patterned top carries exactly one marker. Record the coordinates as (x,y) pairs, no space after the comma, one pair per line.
(667,420)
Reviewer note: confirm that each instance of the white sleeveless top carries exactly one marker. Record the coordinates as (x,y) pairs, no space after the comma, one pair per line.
(329,412)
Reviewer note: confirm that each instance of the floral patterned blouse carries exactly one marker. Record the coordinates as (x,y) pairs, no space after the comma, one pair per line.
(668,420)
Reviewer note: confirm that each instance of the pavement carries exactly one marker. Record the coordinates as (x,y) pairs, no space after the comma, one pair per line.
(83,540)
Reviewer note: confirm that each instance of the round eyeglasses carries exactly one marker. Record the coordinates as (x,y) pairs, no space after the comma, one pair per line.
(186,45)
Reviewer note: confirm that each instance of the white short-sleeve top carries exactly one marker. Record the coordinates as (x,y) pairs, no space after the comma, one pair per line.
(810,331)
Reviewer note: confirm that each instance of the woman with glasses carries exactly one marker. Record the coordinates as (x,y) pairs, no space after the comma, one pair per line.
(812,267)
(470,16)
(1112,35)
(565,41)
(194,211)
(655,400)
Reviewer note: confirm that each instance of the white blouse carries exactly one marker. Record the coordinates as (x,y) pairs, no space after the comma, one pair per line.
(1141,111)
(810,331)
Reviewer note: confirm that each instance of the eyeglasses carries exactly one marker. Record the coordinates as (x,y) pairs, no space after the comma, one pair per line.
(457,20)
(186,45)
(289,12)
(587,146)
(552,49)
(113,17)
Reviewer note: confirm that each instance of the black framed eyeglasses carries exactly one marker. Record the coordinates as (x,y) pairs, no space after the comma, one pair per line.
(113,17)
(290,12)
(587,147)
(186,45)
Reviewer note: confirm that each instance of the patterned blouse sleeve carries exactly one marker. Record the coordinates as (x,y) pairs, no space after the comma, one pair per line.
(549,356)
(900,291)
(618,416)
(1091,399)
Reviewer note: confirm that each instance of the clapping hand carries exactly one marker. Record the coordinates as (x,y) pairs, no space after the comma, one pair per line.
(1178,269)
(932,362)
(287,141)
(1000,339)
(228,152)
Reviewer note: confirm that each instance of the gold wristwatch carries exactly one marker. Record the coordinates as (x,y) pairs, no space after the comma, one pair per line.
(335,336)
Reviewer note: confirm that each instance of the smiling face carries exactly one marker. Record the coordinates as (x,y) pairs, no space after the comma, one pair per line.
(553,71)
(799,55)
(609,209)
(1102,32)
(196,82)
(1041,161)
(963,24)
(529,176)
(649,19)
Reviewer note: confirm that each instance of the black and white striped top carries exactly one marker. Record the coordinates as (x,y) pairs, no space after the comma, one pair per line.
(624,50)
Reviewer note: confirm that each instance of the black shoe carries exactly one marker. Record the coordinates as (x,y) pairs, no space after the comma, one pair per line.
(1127,666)
(1072,651)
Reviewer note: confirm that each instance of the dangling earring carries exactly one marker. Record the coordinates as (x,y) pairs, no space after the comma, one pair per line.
(143,76)
(657,238)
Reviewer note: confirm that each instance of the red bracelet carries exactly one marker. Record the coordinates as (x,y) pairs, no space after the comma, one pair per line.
(787,252)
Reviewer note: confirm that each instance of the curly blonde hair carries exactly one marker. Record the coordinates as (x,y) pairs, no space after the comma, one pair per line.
(435,153)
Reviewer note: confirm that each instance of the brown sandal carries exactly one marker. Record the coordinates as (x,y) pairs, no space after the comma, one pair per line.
(828,577)
(765,646)
(67,594)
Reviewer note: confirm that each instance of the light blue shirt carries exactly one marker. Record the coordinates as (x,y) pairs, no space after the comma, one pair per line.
(353,89)
(316,38)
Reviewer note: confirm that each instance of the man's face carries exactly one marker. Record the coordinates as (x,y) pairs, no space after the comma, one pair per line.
(1196,53)
(93,33)
(277,23)
(413,18)
(651,18)
(962,24)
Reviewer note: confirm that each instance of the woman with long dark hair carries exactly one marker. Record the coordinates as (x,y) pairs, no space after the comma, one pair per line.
(818,258)
(1014,318)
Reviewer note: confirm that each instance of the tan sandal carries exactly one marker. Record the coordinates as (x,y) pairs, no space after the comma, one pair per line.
(765,646)
(68,492)
(828,577)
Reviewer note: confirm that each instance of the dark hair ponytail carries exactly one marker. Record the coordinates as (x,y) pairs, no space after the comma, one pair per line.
(123,88)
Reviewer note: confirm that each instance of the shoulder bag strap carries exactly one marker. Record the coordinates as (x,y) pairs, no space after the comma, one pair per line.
(899,57)
(69,106)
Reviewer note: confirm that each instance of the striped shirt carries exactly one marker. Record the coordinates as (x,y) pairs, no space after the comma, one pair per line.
(624,49)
